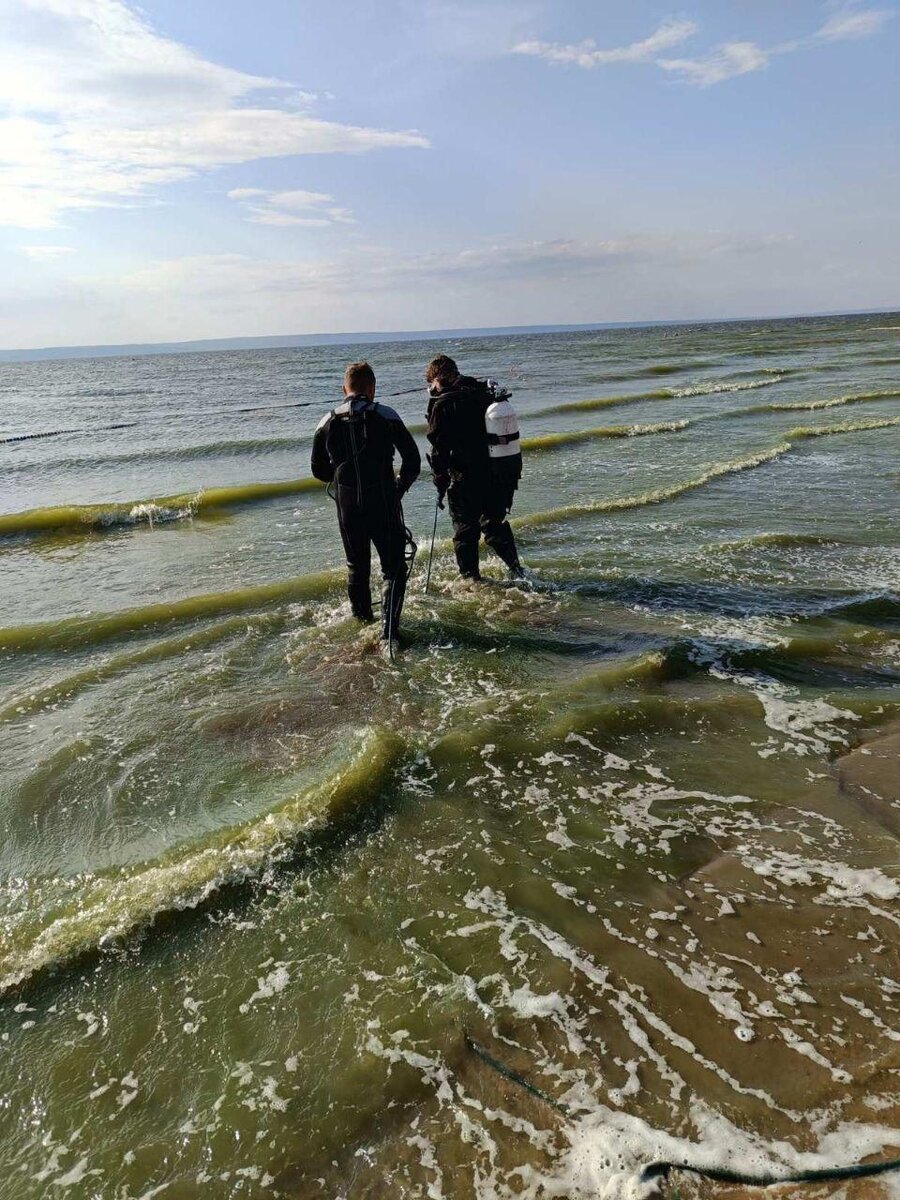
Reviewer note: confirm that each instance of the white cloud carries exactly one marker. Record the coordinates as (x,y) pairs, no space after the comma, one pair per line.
(311,209)
(374,269)
(734,58)
(587,55)
(642,277)
(96,109)
(46,253)
(859,24)
(724,62)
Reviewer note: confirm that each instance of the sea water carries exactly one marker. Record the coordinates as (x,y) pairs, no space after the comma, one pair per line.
(261,890)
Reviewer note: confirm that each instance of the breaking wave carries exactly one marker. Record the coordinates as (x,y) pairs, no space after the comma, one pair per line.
(812,431)
(656,496)
(711,388)
(550,441)
(94,629)
(735,466)
(777,539)
(105,907)
(85,517)
(61,690)
(816,405)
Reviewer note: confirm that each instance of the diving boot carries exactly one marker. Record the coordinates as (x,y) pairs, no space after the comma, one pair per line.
(361,603)
(392,596)
(390,648)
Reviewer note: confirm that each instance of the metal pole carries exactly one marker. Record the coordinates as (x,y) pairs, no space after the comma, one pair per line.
(437,504)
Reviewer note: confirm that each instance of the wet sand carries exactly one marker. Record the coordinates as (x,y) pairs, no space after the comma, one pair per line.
(870,774)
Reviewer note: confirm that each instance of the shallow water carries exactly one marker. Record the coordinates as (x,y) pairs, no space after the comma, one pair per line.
(259,886)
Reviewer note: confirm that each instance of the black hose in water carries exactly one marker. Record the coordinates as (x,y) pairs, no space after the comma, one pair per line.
(659,1172)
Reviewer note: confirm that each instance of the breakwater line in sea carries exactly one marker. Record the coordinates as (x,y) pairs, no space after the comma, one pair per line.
(567,512)
(167,417)
(251,446)
(223,449)
(701,389)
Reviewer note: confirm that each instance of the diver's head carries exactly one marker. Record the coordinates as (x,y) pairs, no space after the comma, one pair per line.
(440,374)
(359,380)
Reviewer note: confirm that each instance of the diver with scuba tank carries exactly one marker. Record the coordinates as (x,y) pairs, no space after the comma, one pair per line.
(353,449)
(476,462)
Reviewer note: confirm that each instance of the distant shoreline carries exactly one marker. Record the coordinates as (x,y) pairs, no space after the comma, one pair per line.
(300,340)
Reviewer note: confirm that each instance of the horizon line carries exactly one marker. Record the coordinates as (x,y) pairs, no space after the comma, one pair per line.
(350,337)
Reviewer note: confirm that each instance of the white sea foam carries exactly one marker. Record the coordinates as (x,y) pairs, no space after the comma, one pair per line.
(713,387)
(841,881)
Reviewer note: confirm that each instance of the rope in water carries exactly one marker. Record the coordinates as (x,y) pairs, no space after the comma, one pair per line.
(30,437)
(212,412)
(508,1073)
(659,1171)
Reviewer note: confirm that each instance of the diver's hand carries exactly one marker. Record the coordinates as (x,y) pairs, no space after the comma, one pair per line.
(442,483)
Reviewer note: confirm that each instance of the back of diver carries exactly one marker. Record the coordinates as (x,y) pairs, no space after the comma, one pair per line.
(476,462)
(353,448)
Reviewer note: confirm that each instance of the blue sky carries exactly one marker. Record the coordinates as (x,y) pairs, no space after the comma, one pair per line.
(220,168)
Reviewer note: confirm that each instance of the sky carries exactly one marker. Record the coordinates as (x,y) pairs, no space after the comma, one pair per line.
(171,170)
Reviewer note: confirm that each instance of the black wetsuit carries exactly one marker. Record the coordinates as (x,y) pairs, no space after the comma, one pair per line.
(480,492)
(354,448)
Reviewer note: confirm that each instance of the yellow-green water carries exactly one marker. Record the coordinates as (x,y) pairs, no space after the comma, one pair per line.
(259,885)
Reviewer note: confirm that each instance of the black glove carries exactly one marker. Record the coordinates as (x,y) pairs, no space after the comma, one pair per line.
(442,483)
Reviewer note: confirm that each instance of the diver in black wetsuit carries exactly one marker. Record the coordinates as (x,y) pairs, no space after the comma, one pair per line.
(354,448)
(475,461)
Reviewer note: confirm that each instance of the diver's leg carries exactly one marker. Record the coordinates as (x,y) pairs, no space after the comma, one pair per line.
(464,500)
(355,536)
(496,528)
(388,534)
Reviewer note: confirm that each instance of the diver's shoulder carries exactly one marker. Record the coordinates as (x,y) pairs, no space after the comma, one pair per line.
(468,383)
(388,413)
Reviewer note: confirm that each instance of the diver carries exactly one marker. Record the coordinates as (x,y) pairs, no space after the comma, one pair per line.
(476,462)
(353,448)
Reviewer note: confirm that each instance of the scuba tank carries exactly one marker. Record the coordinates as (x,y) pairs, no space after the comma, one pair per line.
(501,424)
